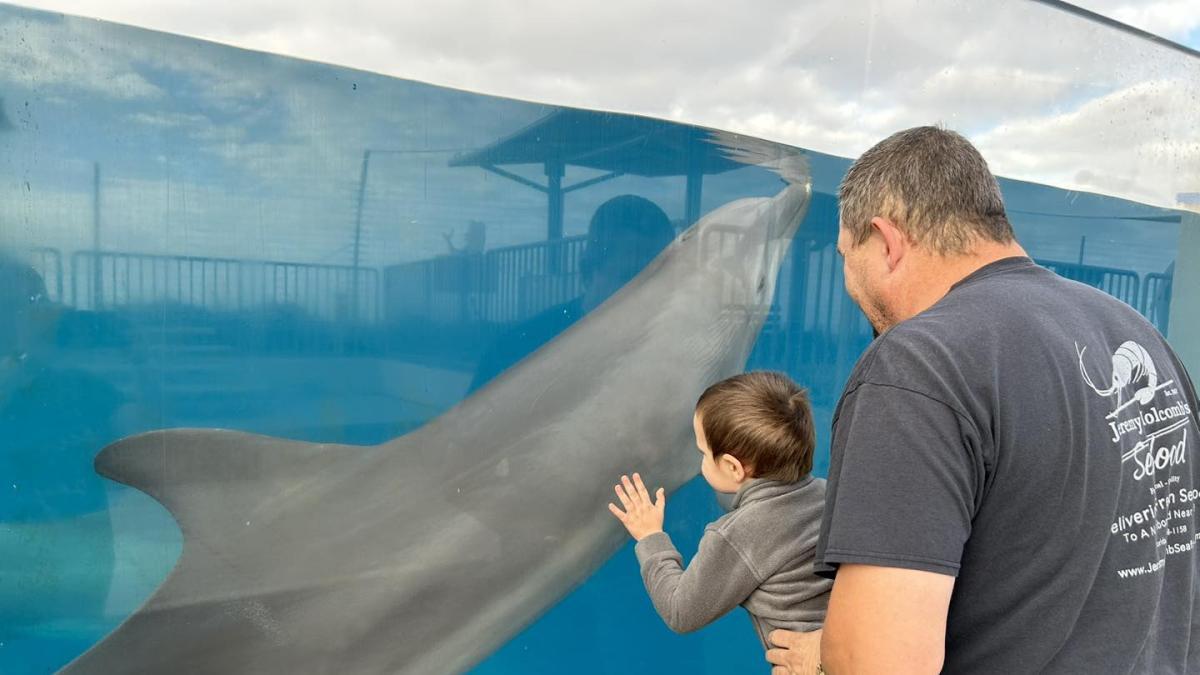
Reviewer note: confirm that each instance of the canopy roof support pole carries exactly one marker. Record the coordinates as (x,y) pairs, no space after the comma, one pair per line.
(695,179)
(554,192)
(554,213)
(691,207)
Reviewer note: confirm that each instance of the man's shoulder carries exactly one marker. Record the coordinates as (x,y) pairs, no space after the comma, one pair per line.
(919,343)
(937,356)
(971,324)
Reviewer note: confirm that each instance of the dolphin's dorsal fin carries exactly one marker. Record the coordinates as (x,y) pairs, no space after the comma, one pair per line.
(248,471)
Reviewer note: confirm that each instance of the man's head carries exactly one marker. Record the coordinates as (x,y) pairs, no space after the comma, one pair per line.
(625,233)
(23,308)
(5,125)
(920,204)
(754,425)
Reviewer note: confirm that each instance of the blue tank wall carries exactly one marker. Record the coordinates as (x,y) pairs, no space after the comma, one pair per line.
(198,236)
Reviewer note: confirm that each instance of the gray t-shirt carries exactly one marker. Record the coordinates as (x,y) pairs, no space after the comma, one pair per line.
(1035,438)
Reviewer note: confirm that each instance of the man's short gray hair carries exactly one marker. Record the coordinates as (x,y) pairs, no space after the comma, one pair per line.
(933,184)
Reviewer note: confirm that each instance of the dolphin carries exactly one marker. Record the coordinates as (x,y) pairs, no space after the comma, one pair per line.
(425,553)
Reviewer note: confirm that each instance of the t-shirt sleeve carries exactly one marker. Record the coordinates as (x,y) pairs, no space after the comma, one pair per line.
(904,479)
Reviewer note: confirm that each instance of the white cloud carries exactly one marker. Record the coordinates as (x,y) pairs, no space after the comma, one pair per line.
(1134,123)
(1172,19)
(47,59)
(826,75)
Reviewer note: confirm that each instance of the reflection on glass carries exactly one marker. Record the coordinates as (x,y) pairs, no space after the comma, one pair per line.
(624,234)
(196,236)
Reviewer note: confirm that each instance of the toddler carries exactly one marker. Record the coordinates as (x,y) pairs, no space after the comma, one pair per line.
(755,435)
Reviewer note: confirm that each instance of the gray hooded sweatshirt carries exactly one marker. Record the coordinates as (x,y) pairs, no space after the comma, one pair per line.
(759,555)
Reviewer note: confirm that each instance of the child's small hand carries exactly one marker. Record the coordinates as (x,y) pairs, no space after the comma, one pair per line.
(641,516)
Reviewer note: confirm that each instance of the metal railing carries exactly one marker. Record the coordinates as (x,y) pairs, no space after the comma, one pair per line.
(501,286)
(1156,299)
(115,279)
(1121,284)
(817,325)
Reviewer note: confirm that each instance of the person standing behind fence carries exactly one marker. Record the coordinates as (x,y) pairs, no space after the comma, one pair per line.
(625,234)
(1013,481)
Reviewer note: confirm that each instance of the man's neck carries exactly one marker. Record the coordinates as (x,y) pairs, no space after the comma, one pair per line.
(945,271)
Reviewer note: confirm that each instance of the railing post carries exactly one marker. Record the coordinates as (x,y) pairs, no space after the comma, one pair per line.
(358,214)
(97,278)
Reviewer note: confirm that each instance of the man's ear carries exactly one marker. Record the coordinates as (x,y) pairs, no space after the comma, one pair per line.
(896,243)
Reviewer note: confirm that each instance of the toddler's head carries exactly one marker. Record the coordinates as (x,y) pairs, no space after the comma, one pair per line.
(754,425)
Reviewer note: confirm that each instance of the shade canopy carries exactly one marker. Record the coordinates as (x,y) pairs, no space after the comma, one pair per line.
(618,145)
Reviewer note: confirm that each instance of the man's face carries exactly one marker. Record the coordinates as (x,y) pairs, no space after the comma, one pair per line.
(862,269)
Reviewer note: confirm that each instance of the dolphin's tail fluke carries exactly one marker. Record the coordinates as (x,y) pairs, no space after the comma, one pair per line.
(224,488)
(788,163)
(168,465)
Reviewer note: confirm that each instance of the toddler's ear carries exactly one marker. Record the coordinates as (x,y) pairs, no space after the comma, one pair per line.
(735,468)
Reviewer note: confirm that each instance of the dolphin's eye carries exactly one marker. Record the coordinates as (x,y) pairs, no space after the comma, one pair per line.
(762,283)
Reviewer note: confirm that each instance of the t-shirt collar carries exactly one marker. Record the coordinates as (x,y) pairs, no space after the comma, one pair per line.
(996,267)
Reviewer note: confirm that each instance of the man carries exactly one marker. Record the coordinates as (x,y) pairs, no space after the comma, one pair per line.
(1013,482)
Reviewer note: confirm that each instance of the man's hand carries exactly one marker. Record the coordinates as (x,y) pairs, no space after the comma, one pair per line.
(794,653)
(641,516)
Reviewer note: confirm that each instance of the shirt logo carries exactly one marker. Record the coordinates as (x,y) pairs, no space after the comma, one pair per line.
(1131,367)
(1158,433)
(1149,422)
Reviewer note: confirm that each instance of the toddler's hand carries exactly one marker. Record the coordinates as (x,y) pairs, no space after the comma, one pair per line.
(641,516)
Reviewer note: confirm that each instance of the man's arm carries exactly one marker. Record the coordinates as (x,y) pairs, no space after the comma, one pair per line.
(886,620)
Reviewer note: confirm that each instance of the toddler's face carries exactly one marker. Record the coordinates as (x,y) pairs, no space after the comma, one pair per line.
(721,473)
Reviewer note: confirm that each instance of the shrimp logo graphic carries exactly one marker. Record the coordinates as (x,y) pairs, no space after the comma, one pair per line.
(1131,367)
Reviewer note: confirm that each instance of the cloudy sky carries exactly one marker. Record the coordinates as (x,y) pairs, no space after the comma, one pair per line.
(199,137)
(1177,20)
(1046,95)
(373,34)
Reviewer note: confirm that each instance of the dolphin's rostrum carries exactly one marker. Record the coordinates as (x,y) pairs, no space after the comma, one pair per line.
(425,553)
